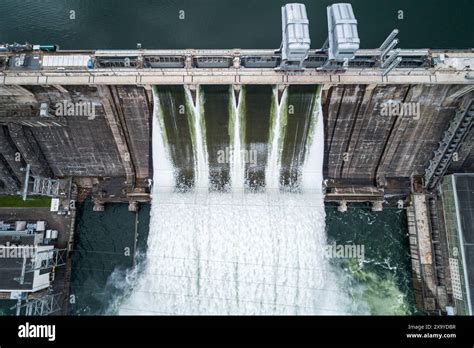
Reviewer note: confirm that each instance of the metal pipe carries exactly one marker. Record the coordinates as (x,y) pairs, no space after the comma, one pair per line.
(391,58)
(392,66)
(388,49)
(27,179)
(388,39)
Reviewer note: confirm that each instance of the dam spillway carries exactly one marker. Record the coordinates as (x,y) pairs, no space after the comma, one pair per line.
(255,142)
(226,251)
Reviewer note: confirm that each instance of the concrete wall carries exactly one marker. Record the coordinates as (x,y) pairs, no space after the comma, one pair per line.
(10,168)
(113,142)
(83,146)
(365,146)
(362,146)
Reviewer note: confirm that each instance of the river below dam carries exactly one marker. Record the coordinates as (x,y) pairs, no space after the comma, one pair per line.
(384,283)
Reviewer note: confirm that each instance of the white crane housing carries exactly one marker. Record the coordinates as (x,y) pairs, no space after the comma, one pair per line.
(295,36)
(343,36)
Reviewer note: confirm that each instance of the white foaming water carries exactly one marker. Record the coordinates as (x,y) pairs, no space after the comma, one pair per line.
(162,167)
(237,253)
(278,113)
(198,134)
(312,172)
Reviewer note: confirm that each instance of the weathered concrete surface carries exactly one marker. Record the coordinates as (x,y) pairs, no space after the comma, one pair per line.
(114,141)
(365,146)
(114,118)
(424,277)
(10,164)
(82,146)
(234,76)
(465,159)
(136,112)
(30,149)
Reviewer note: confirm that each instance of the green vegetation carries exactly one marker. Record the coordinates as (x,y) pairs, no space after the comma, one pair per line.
(31,202)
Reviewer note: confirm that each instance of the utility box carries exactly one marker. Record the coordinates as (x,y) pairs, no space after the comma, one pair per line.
(343,35)
(44,110)
(41,226)
(54,205)
(295,36)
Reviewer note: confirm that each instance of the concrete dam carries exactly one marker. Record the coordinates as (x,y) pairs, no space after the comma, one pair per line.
(111,153)
(238,149)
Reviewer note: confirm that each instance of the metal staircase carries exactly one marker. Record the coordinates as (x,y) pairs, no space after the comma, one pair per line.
(452,139)
(45,305)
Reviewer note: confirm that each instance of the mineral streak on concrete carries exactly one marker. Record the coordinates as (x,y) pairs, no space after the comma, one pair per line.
(10,168)
(366,147)
(113,143)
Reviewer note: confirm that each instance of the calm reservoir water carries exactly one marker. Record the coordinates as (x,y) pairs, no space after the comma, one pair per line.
(225,23)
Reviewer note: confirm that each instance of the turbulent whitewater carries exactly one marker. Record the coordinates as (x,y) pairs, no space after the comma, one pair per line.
(237,252)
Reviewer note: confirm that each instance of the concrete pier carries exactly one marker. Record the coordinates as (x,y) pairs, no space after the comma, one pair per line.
(424,282)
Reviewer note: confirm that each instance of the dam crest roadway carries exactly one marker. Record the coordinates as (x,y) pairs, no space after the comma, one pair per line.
(233,66)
